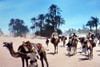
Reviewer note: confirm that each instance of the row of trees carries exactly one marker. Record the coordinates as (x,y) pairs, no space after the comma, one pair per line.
(84,30)
(43,25)
(46,24)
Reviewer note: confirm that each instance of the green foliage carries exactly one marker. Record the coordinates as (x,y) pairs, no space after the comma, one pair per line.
(94,22)
(17,27)
(90,24)
(45,24)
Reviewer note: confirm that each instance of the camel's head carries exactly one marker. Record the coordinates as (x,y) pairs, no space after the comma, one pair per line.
(8,45)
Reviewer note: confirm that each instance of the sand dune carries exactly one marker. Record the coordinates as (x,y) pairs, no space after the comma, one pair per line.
(58,60)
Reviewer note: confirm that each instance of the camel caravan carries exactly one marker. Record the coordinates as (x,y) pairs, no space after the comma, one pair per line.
(34,51)
(87,43)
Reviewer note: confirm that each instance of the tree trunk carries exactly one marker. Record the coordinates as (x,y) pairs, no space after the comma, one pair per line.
(96,30)
(90,28)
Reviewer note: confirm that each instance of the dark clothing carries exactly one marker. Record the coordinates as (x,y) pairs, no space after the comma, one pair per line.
(22,49)
(74,35)
(69,44)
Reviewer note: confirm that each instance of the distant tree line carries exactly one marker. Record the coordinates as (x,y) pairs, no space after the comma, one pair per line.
(93,22)
(1,32)
(17,27)
(78,31)
(46,24)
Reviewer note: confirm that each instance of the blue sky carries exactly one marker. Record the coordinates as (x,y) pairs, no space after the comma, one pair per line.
(75,12)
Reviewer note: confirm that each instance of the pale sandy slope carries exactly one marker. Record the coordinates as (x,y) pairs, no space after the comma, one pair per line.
(59,60)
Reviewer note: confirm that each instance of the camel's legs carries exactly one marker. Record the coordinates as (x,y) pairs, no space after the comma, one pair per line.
(74,48)
(26,62)
(42,62)
(22,62)
(54,49)
(41,58)
(45,58)
(88,53)
(47,45)
(64,43)
(91,53)
(57,48)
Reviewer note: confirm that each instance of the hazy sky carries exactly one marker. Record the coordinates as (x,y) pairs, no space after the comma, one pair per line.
(75,12)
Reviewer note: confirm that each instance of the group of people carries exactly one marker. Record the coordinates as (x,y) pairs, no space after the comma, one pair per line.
(74,39)
(88,43)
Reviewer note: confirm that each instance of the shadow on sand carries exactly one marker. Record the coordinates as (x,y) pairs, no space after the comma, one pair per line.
(51,53)
(69,55)
(83,59)
(61,46)
(84,55)
(80,52)
(98,54)
(97,50)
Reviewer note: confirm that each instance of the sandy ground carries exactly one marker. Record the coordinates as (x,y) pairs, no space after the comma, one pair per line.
(58,60)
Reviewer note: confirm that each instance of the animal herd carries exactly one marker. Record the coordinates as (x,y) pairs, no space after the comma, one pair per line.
(33,51)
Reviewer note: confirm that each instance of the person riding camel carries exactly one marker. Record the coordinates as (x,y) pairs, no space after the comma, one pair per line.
(72,42)
(91,38)
(55,34)
(70,35)
(74,36)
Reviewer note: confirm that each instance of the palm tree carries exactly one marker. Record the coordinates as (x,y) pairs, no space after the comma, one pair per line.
(41,18)
(95,20)
(12,26)
(33,20)
(55,17)
(90,24)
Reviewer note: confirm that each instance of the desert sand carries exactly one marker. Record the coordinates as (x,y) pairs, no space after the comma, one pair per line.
(58,60)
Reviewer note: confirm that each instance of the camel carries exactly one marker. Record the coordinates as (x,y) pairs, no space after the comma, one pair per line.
(63,39)
(72,46)
(40,50)
(55,42)
(14,54)
(88,46)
